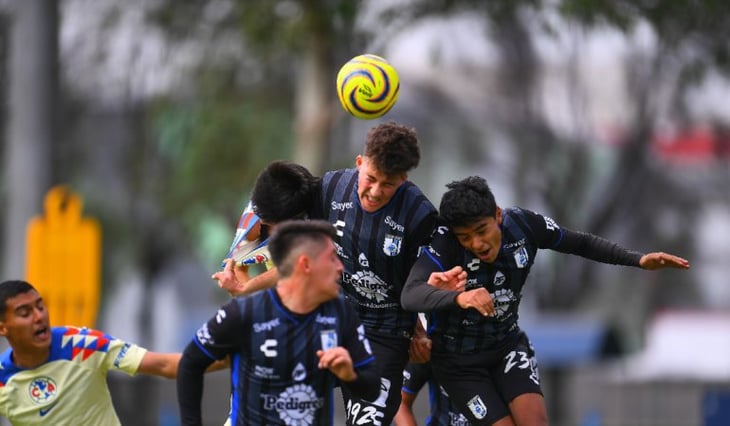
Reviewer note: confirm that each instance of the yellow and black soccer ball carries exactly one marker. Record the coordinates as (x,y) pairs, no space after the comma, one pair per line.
(367,86)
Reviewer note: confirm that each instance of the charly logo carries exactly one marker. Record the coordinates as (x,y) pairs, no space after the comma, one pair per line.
(42,390)
(297,405)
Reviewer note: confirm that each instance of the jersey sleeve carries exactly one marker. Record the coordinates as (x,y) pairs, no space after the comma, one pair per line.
(118,354)
(222,334)
(355,341)
(367,383)
(421,236)
(549,235)
(545,231)
(415,376)
(440,255)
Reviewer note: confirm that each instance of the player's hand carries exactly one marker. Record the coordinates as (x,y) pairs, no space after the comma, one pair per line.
(338,361)
(479,299)
(454,279)
(420,350)
(659,260)
(228,278)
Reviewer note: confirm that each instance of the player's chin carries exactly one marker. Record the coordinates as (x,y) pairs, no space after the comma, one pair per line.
(333,291)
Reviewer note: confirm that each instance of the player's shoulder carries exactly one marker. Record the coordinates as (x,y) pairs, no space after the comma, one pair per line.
(7,368)
(339,173)
(414,199)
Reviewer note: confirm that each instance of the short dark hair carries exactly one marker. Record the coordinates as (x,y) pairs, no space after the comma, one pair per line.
(393,148)
(283,190)
(10,289)
(467,201)
(292,234)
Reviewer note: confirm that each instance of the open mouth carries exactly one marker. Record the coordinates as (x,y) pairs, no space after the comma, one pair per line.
(484,254)
(42,333)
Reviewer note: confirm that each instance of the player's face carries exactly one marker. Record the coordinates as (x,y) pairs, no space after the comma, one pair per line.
(26,324)
(483,237)
(374,188)
(327,271)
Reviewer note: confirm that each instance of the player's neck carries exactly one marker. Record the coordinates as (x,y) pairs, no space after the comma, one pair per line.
(291,295)
(30,358)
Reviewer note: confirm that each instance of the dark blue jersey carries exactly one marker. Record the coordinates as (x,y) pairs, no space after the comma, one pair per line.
(274,372)
(453,329)
(441,411)
(377,249)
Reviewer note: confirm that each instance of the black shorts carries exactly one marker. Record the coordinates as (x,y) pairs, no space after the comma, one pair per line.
(483,384)
(391,357)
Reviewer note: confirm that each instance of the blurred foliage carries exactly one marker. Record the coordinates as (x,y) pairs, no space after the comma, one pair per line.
(217,144)
(273,101)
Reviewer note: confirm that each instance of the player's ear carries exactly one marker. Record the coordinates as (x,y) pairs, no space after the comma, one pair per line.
(303,263)
(358,161)
(3,328)
(498,215)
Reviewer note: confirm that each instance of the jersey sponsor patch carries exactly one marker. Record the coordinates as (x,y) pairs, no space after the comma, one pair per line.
(477,407)
(296,405)
(367,284)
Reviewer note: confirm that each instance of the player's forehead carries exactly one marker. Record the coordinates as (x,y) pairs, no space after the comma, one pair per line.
(369,169)
(479,225)
(27,298)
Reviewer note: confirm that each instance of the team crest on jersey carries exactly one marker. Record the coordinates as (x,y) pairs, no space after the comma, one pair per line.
(42,390)
(391,245)
(521,257)
(297,405)
(477,407)
(328,339)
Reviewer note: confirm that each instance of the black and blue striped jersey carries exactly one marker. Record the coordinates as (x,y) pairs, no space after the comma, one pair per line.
(457,330)
(377,249)
(275,377)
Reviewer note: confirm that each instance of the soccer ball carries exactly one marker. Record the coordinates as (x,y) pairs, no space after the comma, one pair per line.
(367,86)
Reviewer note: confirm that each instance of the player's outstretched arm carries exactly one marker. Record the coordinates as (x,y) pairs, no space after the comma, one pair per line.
(160,364)
(660,260)
(166,364)
(192,366)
